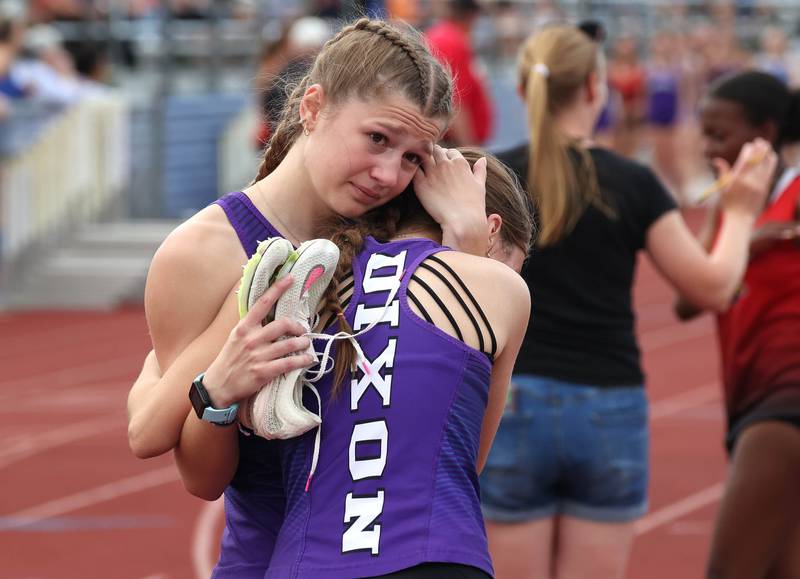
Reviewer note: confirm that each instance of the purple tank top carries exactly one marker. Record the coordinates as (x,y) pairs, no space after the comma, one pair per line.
(396,484)
(254,501)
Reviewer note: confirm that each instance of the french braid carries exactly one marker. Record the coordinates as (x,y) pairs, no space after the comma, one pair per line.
(398,56)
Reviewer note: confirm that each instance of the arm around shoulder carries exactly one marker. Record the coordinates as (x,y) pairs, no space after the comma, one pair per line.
(190,276)
(207,472)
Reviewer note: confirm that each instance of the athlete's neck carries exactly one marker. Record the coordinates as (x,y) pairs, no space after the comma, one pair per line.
(576,121)
(288,199)
(418,231)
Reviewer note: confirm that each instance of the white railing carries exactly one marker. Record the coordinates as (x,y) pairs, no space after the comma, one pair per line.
(75,169)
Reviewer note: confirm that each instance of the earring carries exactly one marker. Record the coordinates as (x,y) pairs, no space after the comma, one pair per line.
(491,246)
(306,132)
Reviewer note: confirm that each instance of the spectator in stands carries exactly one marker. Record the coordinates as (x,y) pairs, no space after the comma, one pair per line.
(772,57)
(91,65)
(189,9)
(327,9)
(12,32)
(49,10)
(405,10)
(46,71)
(450,40)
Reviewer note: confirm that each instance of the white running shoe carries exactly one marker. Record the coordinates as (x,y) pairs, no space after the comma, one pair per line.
(260,271)
(277,410)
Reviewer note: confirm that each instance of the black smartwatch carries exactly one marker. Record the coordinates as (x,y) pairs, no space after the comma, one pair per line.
(201,402)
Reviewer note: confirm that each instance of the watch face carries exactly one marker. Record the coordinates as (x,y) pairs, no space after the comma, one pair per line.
(201,402)
(199,397)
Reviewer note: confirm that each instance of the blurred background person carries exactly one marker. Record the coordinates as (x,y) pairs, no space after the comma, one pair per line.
(757,532)
(451,41)
(567,476)
(45,69)
(49,10)
(772,54)
(664,88)
(628,79)
(284,62)
(405,10)
(12,35)
(91,63)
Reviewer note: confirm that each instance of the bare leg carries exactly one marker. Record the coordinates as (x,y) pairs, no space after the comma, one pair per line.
(521,550)
(588,549)
(761,505)
(788,564)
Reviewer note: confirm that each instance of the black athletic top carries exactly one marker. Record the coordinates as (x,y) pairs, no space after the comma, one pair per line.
(582,323)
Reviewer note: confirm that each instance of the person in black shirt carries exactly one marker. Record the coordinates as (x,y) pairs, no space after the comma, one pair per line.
(567,475)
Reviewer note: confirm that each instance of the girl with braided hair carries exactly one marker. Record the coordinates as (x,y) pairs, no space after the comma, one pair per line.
(405,432)
(352,136)
(354,133)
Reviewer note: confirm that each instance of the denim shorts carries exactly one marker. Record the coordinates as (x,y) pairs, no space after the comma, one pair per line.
(566,448)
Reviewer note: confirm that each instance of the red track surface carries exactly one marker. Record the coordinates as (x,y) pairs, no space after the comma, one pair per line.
(76,503)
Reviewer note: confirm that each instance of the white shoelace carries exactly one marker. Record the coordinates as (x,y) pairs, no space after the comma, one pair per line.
(326,365)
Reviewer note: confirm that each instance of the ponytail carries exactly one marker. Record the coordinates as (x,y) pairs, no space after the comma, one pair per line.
(554,65)
(550,175)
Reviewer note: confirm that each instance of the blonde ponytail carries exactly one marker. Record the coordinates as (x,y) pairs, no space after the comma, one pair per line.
(554,64)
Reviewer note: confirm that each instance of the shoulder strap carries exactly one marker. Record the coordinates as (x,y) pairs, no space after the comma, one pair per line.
(248,222)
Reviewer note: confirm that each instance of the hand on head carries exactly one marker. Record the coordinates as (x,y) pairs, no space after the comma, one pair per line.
(748,182)
(451,191)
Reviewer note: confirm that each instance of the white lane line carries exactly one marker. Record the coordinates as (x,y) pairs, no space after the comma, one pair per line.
(71,376)
(685,400)
(24,447)
(104,396)
(93,496)
(206,538)
(678,509)
(674,511)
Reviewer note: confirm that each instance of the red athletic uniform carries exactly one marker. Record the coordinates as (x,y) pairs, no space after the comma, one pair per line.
(760,334)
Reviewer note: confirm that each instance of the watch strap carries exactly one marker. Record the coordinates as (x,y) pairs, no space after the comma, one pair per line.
(201,402)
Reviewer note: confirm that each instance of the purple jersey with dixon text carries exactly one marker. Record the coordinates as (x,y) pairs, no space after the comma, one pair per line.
(396,484)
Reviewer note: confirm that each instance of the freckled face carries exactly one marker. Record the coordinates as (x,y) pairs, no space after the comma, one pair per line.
(363,154)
